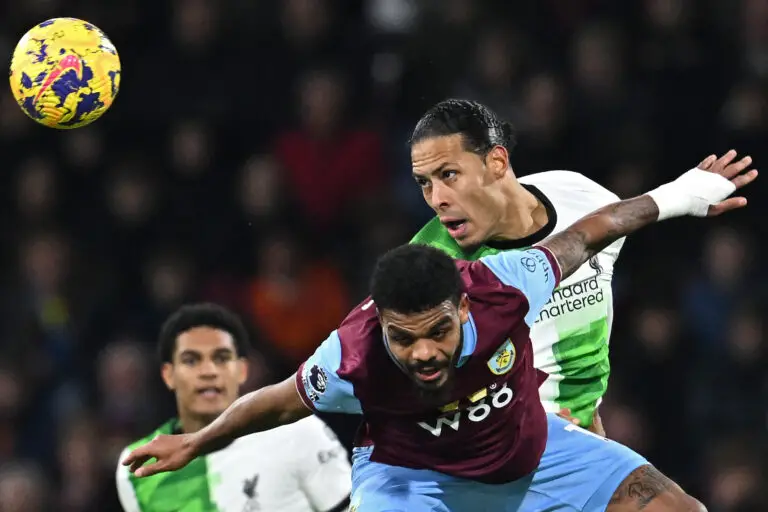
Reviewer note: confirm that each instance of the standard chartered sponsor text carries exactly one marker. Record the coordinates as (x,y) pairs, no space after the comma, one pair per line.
(572,298)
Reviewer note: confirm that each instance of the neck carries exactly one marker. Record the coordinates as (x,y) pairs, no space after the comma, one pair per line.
(523,214)
(190,424)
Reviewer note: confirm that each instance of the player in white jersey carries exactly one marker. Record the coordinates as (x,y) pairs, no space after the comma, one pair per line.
(298,468)
(460,155)
(572,330)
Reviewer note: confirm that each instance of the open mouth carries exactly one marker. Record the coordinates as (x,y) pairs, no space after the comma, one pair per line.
(428,374)
(210,392)
(455,227)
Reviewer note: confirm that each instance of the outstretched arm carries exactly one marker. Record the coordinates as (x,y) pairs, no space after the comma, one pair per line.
(700,192)
(315,387)
(593,233)
(264,409)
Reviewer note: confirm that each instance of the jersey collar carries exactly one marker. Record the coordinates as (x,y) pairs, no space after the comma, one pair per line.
(533,238)
(469,341)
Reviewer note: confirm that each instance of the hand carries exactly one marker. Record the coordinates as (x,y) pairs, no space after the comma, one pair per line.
(726,167)
(596,426)
(172,453)
(565,413)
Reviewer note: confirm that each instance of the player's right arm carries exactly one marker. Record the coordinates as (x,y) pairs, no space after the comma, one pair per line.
(701,192)
(315,387)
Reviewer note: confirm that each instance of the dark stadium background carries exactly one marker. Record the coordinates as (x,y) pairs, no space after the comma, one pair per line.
(256,157)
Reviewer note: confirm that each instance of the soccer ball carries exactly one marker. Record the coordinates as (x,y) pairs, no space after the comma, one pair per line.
(65,73)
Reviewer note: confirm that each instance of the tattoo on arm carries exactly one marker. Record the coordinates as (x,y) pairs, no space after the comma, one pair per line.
(598,230)
(641,487)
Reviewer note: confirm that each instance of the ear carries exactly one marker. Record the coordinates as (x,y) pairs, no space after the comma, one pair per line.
(242,371)
(167,373)
(464,308)
(497,161)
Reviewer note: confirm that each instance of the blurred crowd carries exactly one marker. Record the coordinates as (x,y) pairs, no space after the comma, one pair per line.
(256,156)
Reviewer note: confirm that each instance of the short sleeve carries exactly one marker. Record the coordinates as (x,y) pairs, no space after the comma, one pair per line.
(534,272)
(319,384)
(326,475)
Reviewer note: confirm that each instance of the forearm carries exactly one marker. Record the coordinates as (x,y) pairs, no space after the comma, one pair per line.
(260,410)
(590,235)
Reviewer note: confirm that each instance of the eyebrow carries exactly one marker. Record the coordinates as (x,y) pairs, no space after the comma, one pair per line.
(399,330)
(442,323)
(197,353)
(439,168)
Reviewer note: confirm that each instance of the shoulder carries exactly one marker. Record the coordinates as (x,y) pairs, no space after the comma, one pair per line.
(571,186)
(328,379)
(356,331)
(484,283)
(350,341)
(165,428)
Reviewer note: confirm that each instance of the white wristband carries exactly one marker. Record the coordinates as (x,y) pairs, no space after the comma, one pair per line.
(691,194)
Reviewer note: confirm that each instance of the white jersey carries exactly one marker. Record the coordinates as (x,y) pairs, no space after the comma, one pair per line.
(571,333)
(300,467)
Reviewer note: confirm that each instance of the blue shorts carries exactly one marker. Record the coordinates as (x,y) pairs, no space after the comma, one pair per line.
(579,471)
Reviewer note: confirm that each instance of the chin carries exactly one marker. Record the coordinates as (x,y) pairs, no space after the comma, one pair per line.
(469,241)
(210,410)
(434,393)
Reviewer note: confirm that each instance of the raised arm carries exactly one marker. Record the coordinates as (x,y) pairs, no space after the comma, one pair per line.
(700,192)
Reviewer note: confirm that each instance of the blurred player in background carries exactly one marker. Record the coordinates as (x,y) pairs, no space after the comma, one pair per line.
(439,362)
(300,468)
(460,157)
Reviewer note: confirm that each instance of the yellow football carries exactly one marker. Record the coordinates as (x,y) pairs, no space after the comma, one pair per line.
(65,73)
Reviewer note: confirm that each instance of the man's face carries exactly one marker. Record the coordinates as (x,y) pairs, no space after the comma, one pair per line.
(461,186)
(206,372)
(427,345)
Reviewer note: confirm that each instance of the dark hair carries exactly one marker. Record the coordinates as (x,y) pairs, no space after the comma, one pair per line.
(191,316)
(478,125)
(415,278)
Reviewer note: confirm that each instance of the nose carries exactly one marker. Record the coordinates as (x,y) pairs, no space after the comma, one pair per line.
(208,369)
(424,350)
(439,196)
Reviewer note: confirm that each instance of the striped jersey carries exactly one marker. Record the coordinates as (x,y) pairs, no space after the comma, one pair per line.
(571,333)
(300,467)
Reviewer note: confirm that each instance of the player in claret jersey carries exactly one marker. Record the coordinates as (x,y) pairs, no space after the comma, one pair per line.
(439,363)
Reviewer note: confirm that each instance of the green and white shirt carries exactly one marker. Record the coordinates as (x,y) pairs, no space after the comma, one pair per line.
(299,467)
(570,336)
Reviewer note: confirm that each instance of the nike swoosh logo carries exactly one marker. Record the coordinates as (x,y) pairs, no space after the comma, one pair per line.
(68,62)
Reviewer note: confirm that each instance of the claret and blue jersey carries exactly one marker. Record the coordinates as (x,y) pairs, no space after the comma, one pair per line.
(492,427)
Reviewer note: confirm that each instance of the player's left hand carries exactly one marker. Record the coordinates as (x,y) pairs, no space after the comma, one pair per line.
(734,172)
